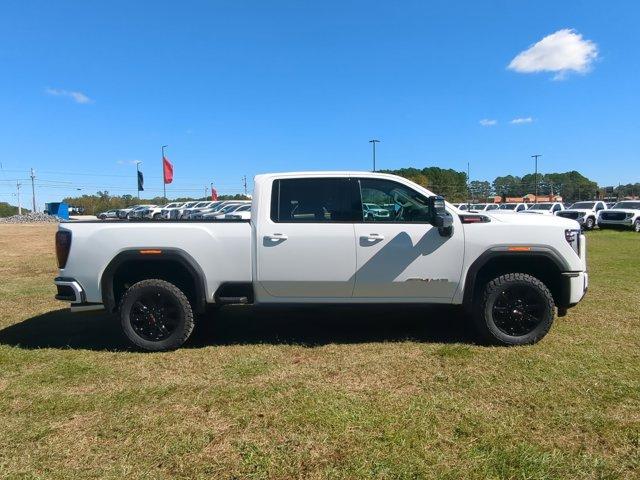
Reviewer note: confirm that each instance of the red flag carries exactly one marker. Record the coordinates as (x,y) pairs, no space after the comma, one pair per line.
(167,170)
(214,194)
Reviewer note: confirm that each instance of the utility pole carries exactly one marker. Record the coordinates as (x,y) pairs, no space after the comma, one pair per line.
(33,189)
(373,142)
(244,182)
(468,186)
(536,157)
(18,185)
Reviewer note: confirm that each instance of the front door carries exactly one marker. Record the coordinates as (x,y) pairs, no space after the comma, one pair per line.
(306,247)
(399,253)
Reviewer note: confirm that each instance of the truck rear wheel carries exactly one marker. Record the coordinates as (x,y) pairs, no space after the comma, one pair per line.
(514,309)
(156,315)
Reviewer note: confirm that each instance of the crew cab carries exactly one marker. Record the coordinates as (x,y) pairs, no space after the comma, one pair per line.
(585,213)
(625,214)
(309,241)
(548,208)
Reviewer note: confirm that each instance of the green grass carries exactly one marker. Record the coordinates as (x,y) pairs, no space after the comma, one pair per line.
(319,393)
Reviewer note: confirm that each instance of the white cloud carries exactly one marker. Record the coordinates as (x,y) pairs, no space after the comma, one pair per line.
(77,97)
(488,122)
(521,120)
(561,52)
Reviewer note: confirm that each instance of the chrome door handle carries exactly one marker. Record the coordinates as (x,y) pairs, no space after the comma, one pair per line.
(277,237)
(373,237)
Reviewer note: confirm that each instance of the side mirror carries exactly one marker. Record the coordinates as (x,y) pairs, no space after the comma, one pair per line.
(439,217)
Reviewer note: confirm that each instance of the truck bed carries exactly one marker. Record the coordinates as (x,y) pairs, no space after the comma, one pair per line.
(222,249)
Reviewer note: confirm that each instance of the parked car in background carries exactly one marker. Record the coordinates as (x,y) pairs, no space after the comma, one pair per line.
(177,213)
(625,214)
(373,211)
(461,206)
(610,204)
(482,207)
(108,214)
(165,212)
(546,208)
(199,207)
(231,207)
(585,213)
(211,212)
(511,208)
(152,213)
(138,212)
(241,213)
(123,212)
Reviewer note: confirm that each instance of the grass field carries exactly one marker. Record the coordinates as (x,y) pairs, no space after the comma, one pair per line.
(318,393)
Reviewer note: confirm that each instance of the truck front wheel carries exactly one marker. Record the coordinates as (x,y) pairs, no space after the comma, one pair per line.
(514,309)
(156,315)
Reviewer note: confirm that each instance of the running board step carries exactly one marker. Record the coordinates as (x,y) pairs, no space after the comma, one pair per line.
(229,300)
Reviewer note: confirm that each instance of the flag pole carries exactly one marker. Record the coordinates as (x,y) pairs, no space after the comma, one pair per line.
(164,185)
(138,178)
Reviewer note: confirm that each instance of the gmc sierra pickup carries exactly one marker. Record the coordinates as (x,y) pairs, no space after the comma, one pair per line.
(310,239)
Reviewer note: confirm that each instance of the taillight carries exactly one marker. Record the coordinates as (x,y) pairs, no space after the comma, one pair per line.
(63,245)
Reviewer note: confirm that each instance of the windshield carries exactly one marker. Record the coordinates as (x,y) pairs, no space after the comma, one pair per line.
(507,206)
(629,205)
(477,206)
(541,206)
(228,208)
(244,208)
(583,205)
(202,204)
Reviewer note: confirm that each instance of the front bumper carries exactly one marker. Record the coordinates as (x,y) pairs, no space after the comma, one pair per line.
(627,222)
(70,290)
(574,288)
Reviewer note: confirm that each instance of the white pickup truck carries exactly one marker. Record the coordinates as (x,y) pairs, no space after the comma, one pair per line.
(310,241)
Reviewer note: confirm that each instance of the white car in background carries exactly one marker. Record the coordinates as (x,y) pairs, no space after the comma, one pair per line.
(623,214)
(482,207)
(546,208)
(138,212)
(108,214)
(241,213)
(164,211)
(198,207)
(511,208)
(213,209)
(373,211)
(229,208)
(176,213)
(585,213)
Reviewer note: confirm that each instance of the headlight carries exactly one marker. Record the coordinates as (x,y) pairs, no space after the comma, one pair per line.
(573,239)
(629,215)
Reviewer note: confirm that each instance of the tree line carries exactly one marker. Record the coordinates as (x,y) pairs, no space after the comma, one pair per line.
(571,186)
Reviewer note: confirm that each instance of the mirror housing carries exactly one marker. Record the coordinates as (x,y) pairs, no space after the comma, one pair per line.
(439,217)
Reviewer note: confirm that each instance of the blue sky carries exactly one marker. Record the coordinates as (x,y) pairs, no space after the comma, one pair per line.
(243,87)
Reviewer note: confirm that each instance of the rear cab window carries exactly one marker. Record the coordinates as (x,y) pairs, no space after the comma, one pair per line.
(315,200)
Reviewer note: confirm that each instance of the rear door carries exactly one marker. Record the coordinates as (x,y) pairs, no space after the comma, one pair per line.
(306,247)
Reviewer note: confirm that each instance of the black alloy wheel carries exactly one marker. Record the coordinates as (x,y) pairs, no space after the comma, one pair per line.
(518,310)
(156,315)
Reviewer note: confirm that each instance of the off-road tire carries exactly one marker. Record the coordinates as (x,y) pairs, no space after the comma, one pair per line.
(173,294)
(485,322)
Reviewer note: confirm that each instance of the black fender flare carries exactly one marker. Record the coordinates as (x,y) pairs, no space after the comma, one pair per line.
(504,252)
(165,254)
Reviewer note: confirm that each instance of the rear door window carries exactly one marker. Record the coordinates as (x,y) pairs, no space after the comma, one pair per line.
(315,200)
